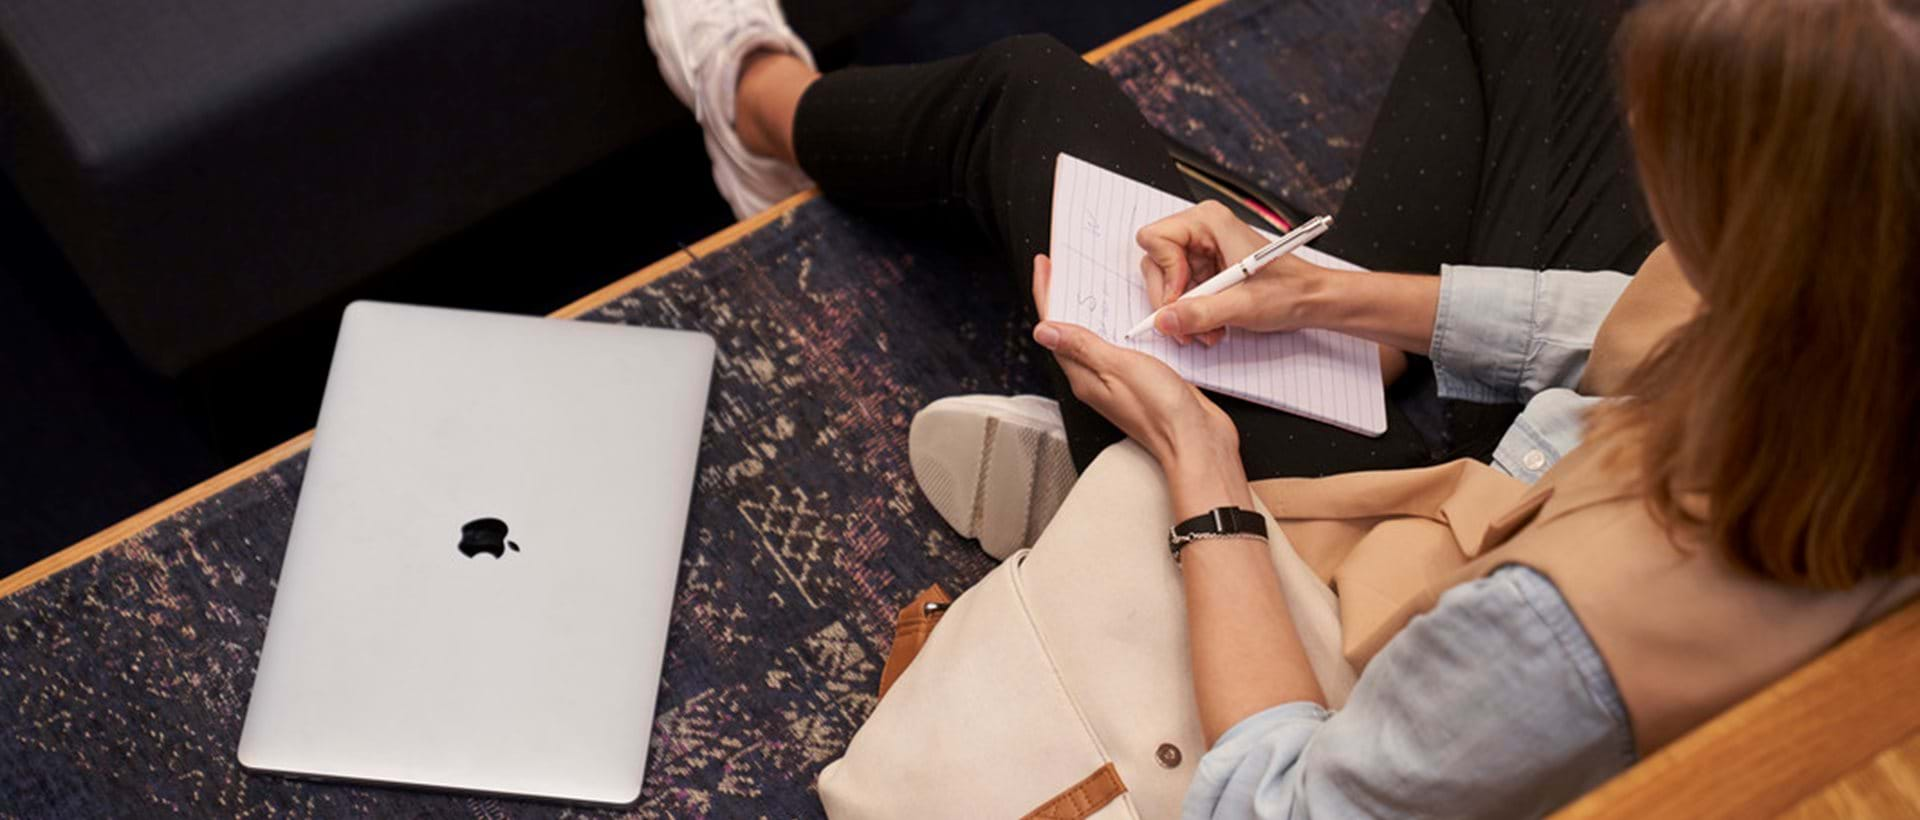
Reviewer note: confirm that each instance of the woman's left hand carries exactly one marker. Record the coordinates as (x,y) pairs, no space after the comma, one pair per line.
(1140,394)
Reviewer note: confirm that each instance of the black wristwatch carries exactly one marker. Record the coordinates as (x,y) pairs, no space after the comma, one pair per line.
(1221,522)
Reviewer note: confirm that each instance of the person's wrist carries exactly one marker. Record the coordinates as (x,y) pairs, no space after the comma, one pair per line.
(1203,472)
(1328,298)
(1198,556)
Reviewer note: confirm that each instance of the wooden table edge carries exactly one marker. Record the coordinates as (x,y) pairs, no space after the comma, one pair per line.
(145,519)
(1157,25)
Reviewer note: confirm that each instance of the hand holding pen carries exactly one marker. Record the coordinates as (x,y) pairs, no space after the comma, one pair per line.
(1168,317)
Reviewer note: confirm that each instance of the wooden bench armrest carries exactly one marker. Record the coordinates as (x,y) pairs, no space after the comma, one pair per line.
(1841,734)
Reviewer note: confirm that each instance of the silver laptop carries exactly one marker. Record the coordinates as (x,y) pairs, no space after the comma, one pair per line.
(477,586)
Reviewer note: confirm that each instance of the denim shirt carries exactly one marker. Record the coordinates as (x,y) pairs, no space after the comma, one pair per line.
(1514,335)
(1495,703)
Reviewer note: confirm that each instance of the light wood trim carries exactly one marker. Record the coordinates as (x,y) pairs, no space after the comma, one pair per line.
(1792,740)
(1159,24)
(246,469)
(1886,787)
(139,522)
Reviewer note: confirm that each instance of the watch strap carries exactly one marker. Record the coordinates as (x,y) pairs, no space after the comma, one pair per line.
(1220,522)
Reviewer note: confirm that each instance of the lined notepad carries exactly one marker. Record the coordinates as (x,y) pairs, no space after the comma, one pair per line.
(1319,374)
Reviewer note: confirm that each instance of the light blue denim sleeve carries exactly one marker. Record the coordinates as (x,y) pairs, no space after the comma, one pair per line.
(1494,704)
(1552,424)
(1504,334)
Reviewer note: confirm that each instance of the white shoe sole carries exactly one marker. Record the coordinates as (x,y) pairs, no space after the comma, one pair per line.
(994,469)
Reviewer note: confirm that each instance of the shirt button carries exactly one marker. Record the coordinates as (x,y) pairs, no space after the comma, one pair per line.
(1534,460)
(1168,755)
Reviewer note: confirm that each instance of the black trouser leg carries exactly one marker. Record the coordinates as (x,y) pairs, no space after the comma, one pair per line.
(973,139)
(975,136)
(1500,143)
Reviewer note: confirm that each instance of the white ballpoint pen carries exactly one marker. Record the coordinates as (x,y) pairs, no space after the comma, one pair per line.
(1237,273)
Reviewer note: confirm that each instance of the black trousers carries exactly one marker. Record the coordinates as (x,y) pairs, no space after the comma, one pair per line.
(1499,143)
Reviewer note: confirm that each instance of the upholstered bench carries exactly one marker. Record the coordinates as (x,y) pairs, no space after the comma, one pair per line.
(126,660)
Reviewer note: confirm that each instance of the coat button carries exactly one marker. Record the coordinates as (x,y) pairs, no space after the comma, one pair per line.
(1534,459)
(1168,755)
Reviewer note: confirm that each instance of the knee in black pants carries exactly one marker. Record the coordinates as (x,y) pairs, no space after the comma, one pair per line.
(1030,66)
(977,137)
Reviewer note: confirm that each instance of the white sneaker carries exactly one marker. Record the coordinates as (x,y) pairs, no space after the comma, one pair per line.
(995,467)
(700,45)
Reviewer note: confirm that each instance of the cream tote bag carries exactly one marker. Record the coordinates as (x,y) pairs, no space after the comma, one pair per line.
(1060,685)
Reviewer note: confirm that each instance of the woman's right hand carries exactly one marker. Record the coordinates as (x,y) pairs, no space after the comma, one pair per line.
(1189,247)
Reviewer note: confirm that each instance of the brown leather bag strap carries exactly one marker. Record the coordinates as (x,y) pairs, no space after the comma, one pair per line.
(1083,798)
(910,631)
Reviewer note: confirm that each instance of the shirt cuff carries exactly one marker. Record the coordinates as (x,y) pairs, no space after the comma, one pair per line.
(1254,727)
(1481,332)
(1249,758)
(1553,423)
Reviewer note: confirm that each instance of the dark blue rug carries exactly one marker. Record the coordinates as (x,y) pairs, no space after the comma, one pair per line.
(123,679)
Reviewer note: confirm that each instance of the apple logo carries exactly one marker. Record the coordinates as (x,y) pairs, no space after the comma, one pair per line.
(485,535)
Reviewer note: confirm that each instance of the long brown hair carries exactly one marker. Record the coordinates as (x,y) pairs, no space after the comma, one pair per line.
(1779,145)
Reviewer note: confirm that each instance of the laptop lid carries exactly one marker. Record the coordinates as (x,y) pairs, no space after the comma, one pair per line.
(478,582)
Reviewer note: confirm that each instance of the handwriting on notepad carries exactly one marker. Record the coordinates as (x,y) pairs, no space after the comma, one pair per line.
(1091,306)
(1097,284)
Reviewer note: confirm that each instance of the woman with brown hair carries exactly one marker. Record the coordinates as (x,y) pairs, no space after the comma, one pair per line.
(1738,490)
(1749,497)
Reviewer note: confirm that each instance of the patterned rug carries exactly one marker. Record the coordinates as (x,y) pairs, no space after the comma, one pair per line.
(123,679)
